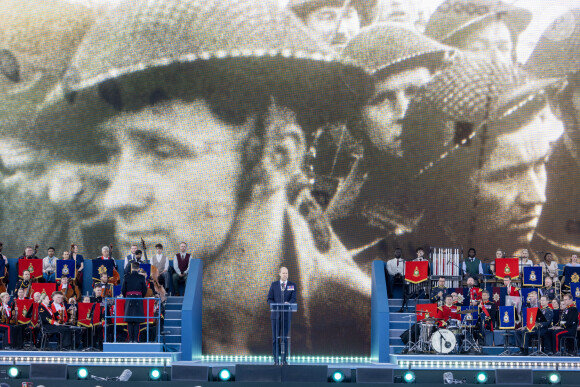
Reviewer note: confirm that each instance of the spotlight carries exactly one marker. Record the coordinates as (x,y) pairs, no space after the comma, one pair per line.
(481,377)
(13,372)
(82,373)
(154,374)
(224,375)
(337,376)
(409,377)
(554,378)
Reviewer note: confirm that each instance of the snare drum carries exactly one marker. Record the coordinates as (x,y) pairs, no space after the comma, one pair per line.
(427,329)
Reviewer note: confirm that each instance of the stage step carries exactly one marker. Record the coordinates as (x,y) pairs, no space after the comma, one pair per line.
(173,322)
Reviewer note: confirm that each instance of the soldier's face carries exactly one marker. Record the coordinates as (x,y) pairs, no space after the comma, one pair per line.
(387,107)
(510,187)
(323,22)
(543,302)
(492,40)
(399,11)
(29,252)
(98,292)
(20,293)
(284,274)
(177,175)
(441,282)
(470,282)
(57,299)
(36,297)
(484,296)
(548,282)
(26,275)
(507,281)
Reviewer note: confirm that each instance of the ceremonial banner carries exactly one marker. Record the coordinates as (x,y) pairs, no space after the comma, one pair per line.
(475,294)
(117,290)
(571,276)
(65,267)
(102,266)
(498,296)
(530,316)
(424,311)
(146,267)
(43,288)
(416,271)
(84,310)
(533,276)
(507,317)
(575,291)
(120,311)
(469,318)
(462,295)
(34,266)
(151,311)
(23,307)
(507,267)
(98,315)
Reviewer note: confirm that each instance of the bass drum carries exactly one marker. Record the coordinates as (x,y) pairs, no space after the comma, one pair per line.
(443,341)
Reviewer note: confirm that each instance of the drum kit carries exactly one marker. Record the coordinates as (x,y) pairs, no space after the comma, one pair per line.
(456,337)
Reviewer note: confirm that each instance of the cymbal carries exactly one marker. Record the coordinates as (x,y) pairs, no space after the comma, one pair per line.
(467,311)
(431,319)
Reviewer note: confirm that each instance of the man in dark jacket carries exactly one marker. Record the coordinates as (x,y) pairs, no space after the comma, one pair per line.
(281,292)
(134,287)
(565,328)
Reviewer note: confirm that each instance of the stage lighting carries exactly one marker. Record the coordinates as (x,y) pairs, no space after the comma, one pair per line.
(13,372)
(409,377)
(554,378)
(337,376)
(154,374)
(481,377)
(224,375)
(82,373)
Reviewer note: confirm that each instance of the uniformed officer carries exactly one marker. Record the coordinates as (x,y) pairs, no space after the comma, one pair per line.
(548,290)
(540,329)
(566,326)
(24,283)
(134,286)
(439,292)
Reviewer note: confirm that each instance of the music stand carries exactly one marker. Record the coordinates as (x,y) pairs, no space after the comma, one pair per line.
(539,318)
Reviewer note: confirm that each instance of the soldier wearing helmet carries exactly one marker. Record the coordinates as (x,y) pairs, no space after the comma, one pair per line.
(489,29)
(334,21)
(200,110)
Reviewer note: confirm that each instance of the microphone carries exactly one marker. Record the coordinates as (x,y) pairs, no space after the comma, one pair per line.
(125,375)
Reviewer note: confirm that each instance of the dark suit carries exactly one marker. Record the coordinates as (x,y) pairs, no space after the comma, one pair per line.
(134,286)
(281,326)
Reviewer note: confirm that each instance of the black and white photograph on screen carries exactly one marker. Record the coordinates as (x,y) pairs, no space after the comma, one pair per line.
(317,135)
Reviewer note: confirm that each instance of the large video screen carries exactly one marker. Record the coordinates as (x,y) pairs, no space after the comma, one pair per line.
(318,135)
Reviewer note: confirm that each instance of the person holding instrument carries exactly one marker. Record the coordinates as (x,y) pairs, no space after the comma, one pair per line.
(134,286)
(53,322)
(24,283)
(9,321)
(79,263)
(566,326)
(540,330)
(281,292)
(70,290)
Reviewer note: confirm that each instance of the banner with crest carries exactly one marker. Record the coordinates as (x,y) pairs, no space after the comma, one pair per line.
(65,267)
(85,311)
(24,307)
(530,315)
(102,266)
(575,292)
(34,266)
(146,267)
(507,267)
(507,317)
(571,276)
(43,288)
(533,276)
(424,311)
(416,271)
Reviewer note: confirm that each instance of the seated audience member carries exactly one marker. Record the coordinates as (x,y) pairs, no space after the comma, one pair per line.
(550,267)
(49,266)
(573,261)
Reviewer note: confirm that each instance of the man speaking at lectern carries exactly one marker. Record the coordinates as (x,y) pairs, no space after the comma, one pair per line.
(282,291)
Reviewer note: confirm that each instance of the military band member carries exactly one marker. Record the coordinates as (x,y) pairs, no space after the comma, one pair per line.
(540,330)
(474,292)
(566,327)
(134,286)
(98,294)
(106,255)
(54,322)
(415,290)
(439,292)
(513,295)
(13,333)
(488,319)
(449,311)
(138,258)
(105,285)
(24,284)
(20,294)
(548,290)
(34,317)
(70,290)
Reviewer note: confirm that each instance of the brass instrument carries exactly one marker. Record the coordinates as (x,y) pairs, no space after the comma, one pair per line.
(14,316)
(73,310)
(3,317)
